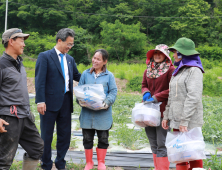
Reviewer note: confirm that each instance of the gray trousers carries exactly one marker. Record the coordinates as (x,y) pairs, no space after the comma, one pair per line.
(157,138)
(19,131)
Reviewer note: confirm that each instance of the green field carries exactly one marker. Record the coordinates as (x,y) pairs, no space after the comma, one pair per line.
(136,139)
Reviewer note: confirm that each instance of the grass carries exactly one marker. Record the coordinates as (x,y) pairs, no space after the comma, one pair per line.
(212,128)
(133,139)
(17,165)
(212,81)
(122,71)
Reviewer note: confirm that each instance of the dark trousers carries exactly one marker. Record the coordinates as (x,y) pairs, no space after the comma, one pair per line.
(19,131)
(157,138)
(62,118)
(88,137)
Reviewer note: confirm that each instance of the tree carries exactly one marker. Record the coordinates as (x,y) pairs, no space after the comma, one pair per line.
(42,17)
(193,28)
(83,44)
(123,41)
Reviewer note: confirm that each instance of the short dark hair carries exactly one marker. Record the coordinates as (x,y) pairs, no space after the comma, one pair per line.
(6,44)
(105,56)
(64,33)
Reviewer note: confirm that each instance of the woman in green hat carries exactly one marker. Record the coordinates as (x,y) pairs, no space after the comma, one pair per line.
(184,110)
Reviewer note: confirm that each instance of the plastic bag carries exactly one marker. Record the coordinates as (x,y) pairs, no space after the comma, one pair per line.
(90,96)
(146,114)
(184,147)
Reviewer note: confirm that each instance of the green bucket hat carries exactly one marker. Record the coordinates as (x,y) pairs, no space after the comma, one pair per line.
(185,46)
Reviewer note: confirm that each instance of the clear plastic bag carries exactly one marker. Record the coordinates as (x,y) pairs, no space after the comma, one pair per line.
(184,147)
(144,115)
(90,96)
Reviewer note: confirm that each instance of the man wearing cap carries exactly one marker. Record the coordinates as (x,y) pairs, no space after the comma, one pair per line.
(16,122)
(54,74)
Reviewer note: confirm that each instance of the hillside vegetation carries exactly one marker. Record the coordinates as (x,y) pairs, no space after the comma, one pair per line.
(126,28)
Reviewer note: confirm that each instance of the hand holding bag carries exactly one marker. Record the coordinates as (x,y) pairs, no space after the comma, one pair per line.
(90,96)
(184,147)
(146,114)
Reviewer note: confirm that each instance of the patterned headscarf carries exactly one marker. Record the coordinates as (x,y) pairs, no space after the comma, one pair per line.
(155,70)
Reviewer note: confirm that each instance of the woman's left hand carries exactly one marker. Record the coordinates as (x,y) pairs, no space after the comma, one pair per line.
(183,129)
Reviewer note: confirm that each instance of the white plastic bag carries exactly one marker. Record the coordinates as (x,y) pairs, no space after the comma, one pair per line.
(146,114)
(90,96)
(184,147)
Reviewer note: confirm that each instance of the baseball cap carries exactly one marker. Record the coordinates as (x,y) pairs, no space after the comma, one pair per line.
(12,33)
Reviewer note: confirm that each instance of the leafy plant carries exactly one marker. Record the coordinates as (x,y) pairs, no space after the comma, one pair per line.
(127,137)
(73,166)
(214,162)
(16,165)
(135,84)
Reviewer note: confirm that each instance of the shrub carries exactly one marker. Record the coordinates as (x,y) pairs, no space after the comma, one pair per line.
(125,41)
(36,44)
(210,53)
(2,49)
(135,84)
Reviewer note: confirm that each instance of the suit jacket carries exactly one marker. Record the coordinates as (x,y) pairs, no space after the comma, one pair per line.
(49,80)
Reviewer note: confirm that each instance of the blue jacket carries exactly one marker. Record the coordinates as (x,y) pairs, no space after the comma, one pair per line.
(100,119)
(49,80)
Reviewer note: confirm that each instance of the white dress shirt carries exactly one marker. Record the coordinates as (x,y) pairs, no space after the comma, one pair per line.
(65,68)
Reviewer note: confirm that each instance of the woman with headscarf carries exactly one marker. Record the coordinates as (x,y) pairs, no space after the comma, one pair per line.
(184,110)
(155,88)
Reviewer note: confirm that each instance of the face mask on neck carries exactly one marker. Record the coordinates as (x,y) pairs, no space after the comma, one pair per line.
(179,55)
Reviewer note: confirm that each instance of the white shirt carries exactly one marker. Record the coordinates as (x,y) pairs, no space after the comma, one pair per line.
(65,68)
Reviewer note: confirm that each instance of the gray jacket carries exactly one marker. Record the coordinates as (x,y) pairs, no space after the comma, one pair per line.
(13,87)
(185,106)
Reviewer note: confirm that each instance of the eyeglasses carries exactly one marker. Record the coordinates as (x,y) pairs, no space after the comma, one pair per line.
(17,31)
(70,45)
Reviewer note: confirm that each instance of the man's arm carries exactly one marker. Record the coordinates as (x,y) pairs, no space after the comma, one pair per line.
(40,81)
(76,74)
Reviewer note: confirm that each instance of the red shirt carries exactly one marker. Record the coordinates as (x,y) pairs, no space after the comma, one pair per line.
(158,87)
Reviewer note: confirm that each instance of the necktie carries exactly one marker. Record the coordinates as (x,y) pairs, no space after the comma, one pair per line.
(63,70)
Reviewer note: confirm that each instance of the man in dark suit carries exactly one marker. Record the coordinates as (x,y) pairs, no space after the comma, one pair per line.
(54,74)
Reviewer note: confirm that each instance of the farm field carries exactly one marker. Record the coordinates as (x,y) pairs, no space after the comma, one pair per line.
(123,135)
